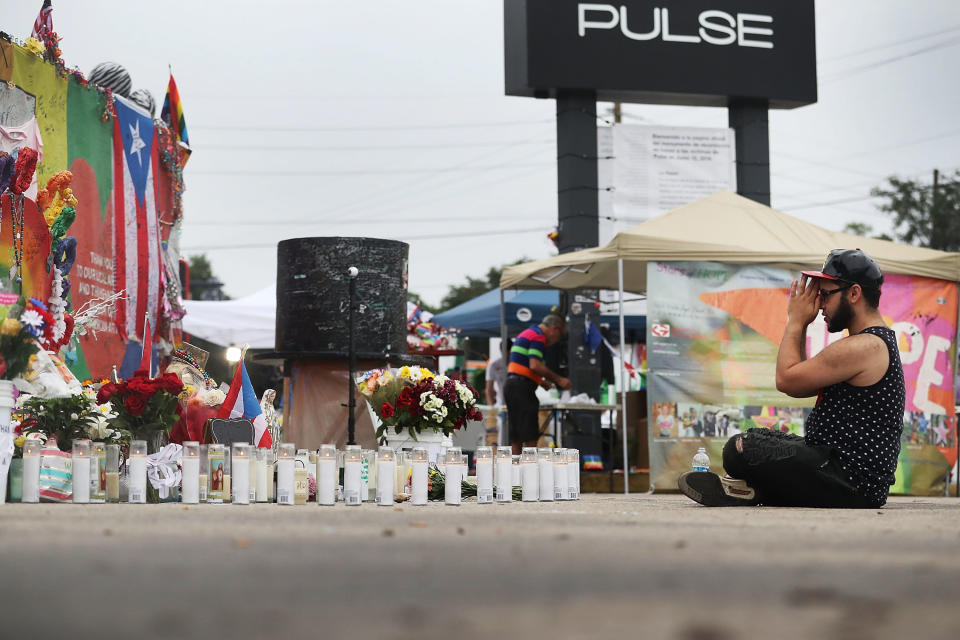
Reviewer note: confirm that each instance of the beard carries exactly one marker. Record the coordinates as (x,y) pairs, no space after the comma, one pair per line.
(841,318)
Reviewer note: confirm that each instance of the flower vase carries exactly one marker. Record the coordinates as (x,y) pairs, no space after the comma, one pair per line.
(433,441)
(157,440)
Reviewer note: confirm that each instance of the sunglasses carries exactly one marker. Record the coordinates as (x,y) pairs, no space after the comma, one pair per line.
(826,294)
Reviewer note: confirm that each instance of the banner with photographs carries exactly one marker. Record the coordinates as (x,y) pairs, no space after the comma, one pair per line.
(713,331)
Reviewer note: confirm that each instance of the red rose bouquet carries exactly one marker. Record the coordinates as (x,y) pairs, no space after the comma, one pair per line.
(417,399)
(144,405)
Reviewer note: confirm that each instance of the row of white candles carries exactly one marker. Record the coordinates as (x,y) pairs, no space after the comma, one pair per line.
(543,475)
(95,471)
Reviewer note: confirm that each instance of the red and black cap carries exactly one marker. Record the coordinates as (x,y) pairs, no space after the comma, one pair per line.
(850,265)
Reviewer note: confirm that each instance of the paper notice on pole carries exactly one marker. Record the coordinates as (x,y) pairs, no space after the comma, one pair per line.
(657,169)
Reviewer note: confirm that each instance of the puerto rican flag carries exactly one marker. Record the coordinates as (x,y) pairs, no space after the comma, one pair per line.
(136,233)
(242,402)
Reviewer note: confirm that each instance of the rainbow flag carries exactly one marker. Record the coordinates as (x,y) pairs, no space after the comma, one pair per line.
(172,112)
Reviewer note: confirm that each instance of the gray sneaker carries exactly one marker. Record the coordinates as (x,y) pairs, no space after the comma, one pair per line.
(711,490)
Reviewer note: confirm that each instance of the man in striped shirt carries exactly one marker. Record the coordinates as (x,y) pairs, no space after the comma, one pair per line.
(525,371)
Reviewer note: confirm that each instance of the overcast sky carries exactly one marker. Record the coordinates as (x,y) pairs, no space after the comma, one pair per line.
(389,119)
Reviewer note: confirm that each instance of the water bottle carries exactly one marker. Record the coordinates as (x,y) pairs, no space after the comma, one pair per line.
(701,461)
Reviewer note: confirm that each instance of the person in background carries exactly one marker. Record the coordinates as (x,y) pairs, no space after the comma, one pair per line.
(496,379)
(525,372)
(710,424)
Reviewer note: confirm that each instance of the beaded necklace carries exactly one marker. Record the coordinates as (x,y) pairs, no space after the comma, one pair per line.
(17,245)
(189,359)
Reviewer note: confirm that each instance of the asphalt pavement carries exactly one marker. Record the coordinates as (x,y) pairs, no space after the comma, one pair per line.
(639,566)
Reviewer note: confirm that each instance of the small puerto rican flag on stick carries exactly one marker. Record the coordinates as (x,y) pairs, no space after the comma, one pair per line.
(146,359)
(242,402)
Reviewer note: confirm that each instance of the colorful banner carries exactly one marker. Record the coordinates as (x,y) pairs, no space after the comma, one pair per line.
(80,135)
(712,340)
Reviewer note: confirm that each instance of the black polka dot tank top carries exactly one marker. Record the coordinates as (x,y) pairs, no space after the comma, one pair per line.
(864,424)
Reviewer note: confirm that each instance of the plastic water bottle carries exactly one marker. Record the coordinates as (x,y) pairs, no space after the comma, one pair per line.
(701,461)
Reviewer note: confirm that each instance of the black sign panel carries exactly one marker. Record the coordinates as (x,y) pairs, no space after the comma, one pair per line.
(691,52)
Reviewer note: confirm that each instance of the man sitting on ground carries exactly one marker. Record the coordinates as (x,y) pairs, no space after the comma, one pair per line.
(849,454)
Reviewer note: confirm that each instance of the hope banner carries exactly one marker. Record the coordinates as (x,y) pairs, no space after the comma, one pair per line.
(714,331)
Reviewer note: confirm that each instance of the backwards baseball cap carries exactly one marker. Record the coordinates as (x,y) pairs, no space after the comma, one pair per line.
(850,265)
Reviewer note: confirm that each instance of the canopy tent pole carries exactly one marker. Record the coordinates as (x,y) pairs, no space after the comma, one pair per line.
(623,382)
(956,430)
(504,355)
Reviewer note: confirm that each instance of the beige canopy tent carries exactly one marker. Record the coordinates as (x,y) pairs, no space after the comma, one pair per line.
(724,228)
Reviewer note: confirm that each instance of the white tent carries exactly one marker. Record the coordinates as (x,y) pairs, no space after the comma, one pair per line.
(249,320)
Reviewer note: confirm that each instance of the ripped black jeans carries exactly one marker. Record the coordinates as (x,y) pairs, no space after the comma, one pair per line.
(787,472)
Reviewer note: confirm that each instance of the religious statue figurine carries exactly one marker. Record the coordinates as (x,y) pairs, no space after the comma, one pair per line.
(272,418)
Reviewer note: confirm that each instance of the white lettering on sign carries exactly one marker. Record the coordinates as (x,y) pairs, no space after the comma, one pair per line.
(715,27)
(95,281)
(929,375)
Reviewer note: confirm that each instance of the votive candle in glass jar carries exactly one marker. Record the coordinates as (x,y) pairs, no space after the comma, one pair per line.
(113,473)
(368,475)
(204,477)
(573,474)
(327,475)
(98,468)
(419,461)
(352,463)
(227,474)
(261,477)
(301,470)
(452,490)
(216,459)
(271,476)
(545,471)
(252,488)
(559,474)
(81,471)
(484,475)
(530,488)
(504,477)
(403,473)
(240,472)
(300,487)
(31,471)
(137,464)
(312,471)
(286,461)
(190,473)
(386,476)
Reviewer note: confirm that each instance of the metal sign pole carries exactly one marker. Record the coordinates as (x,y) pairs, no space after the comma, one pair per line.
(352,357)
(623,383)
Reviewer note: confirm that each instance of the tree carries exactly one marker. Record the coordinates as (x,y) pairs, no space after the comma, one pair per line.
(864,230)
(924,215)
(204,285)
(460,293)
